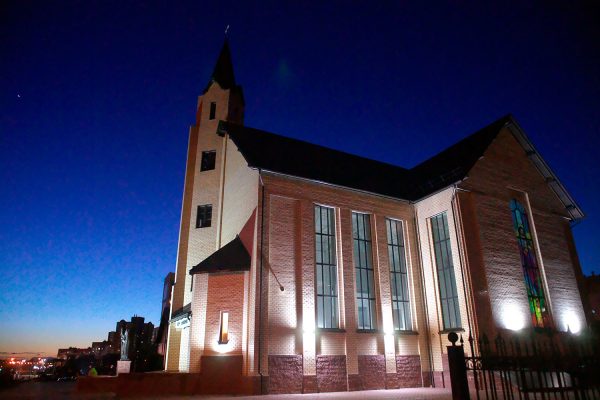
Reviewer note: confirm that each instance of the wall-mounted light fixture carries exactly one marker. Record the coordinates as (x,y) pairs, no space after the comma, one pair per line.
(224,330)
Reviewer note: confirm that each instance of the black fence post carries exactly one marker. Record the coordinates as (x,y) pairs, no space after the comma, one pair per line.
(458,369)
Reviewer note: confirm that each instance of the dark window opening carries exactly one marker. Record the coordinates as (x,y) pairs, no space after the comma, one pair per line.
(445,271)
(208,160)
(204,216)
(398,276)
(213,110)
(365,274)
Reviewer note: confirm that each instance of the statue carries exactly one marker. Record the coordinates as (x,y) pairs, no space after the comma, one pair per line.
(124,344)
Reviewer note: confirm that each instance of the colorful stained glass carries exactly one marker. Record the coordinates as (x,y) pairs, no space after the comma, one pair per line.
(531,271)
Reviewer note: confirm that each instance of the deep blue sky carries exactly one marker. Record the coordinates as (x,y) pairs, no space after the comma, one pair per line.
(96,99)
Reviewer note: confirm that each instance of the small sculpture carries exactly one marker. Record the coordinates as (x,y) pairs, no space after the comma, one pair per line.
(124,344)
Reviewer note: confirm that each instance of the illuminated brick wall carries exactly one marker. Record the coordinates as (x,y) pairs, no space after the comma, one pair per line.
(288,316)
(504,173)
(225,293)
(427,208)
(198,321)
(201,187)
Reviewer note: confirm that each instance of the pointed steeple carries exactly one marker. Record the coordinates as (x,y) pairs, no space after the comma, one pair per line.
(223,72)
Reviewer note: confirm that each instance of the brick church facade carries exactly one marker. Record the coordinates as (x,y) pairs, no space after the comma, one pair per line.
(305,269)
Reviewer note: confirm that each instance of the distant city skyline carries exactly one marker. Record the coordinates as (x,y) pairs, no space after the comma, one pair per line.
(97,99)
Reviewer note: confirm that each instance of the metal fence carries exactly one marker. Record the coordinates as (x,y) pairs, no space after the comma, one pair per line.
(537,366)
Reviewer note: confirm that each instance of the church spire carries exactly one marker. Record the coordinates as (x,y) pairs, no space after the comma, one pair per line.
(223,72)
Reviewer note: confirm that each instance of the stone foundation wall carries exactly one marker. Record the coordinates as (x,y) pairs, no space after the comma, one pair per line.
(408,370)
(331,374)
(371,370)
(285,374)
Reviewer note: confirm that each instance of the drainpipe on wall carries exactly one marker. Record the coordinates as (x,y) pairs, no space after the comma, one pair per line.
(260,281)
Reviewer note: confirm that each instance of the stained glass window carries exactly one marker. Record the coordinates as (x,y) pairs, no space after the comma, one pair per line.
(531,271)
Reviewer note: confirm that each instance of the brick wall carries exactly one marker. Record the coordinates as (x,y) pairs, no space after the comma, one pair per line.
(442,201)
(283,262)
(231,189)
(331,374)
(225,293)
(504,173)
(409,371)
(198,322)
(285,374)
(240,193)
(289,249)
(184,356)
(371,370)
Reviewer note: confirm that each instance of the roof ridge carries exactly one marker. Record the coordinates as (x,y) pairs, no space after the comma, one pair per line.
(261,131)
(505,119)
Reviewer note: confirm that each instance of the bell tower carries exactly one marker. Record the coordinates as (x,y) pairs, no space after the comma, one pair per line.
(199,232)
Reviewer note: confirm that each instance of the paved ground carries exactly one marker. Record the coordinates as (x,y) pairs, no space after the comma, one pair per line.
(66,391)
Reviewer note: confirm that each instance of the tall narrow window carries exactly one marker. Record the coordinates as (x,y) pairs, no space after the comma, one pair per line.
(531,271)
(204,216)
(213,110)
(363,265)
(445,271)
(398,276)
(327,290)
(224,329)
(208,160)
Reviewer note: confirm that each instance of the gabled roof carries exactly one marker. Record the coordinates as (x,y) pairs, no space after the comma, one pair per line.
(223,71)
(294,157)
(275,153)
(233,257)
(453,164)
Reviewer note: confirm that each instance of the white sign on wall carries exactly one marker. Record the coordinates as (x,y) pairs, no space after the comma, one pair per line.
(182,323)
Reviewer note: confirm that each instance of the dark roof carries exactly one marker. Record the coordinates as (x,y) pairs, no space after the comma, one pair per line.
(181,312)
(232,257)
(223,72)
(281,154)
(275,153)
(454,163)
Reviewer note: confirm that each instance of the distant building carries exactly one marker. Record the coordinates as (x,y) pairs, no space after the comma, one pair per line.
(113,339)
(161,334)
(73,352)
(100,349)
(139,340)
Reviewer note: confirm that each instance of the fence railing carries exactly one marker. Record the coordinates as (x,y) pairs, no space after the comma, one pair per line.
(537,366)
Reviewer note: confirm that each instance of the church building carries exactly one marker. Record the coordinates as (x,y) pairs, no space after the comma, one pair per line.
(304,269)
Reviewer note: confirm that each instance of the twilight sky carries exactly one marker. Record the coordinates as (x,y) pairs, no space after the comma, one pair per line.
(96,98)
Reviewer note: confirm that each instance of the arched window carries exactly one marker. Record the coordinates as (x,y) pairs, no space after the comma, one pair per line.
(531,271)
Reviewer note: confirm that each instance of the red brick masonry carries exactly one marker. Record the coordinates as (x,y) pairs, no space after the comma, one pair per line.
(220,375)
(408,369)
(371,370)
(331,374)
(285,374)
